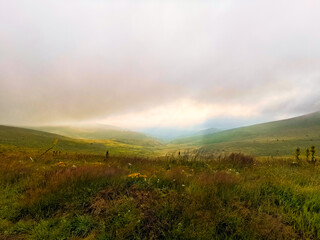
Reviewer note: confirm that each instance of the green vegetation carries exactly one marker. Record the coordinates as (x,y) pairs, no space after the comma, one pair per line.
(307,154)
(268,139)
(297,154)
(313,152)
(102,132)
(85,196)
(155,191)
(34,142)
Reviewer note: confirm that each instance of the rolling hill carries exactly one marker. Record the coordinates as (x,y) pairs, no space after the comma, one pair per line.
(101,132)
(276,138)
(169,134)
(16,139)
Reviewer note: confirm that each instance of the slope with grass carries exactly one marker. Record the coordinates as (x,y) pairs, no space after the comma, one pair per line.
(273,138)
(100,132)
(235,197)
(187,196)
(16,139)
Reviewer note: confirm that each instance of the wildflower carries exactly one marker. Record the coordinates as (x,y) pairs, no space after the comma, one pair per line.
(183,185)
(61,164)
(174,180)
(137,175)
(133,175)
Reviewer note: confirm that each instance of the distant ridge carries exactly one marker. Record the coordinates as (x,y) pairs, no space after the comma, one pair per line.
(100,131)
(22,139)
(170,134)
(271,138)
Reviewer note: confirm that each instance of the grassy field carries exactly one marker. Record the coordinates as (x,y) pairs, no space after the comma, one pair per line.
(84,196)
(35,142)
(154,191)
(268,139)
(102,132)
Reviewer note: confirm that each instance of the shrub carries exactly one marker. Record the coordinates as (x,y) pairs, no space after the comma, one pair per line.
(297,154)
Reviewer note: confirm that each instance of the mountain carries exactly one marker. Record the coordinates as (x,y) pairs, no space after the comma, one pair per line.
(169,134)
(207,131)
(16,139)
(278,138)
(100,132)
(272,138)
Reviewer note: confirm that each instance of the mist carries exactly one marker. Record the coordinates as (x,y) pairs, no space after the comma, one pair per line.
(147,64)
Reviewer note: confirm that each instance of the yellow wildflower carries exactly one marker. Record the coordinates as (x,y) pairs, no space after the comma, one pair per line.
(137,175)
(61,164)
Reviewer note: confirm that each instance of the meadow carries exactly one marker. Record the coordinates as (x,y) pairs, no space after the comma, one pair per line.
(273,139)
(56,187)
(187,196)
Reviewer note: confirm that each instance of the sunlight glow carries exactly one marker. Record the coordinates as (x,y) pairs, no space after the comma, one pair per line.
(181,113)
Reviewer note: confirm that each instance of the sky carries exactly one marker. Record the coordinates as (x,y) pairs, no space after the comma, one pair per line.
(148,64)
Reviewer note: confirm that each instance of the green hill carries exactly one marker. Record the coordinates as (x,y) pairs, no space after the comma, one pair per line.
(21,138)
(276,138)
(16,139)
(101,132)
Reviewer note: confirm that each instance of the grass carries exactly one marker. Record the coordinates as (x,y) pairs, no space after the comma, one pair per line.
(102,132)
(33,142)
(131,197)
(277,138)
(153,192)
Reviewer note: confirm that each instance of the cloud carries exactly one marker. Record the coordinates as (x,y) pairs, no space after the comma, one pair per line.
(67,61)
(180,114)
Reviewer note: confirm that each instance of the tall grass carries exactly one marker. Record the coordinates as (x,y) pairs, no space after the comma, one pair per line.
(228,197)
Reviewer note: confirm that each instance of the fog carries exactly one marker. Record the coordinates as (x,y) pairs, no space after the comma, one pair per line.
(145,64)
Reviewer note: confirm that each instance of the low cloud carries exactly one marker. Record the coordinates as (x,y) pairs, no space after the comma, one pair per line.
(145,63)
(180,114)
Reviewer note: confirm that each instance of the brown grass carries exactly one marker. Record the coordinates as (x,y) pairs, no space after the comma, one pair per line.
(53,180)
(218,178)
(239,159)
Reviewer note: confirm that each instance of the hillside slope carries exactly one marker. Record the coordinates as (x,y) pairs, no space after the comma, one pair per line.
(272,138)
(21,139)
(101,132)
(170,133)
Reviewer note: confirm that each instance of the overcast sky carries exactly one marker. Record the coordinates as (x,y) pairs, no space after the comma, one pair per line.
(143,64)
